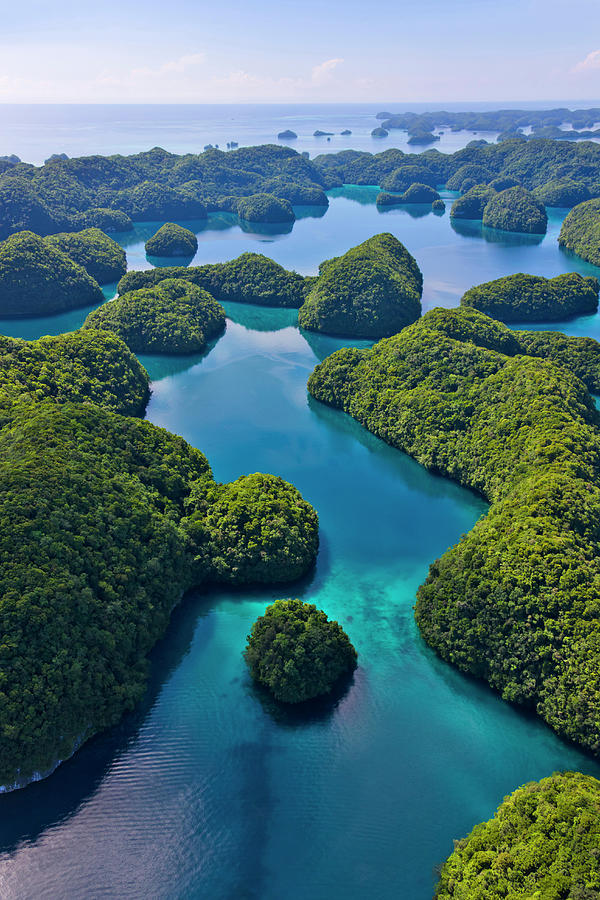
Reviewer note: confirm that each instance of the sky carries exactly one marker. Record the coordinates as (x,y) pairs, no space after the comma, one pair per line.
(388,51)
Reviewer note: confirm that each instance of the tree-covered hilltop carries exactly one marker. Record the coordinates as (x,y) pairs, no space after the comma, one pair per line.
(101,257)
(172,240)
(580,231)
(400,179)
(533,298)
(502,120)
(266,208)
(105,523)
(174,316)
(250,278)
(110,191)
(297,653)
(82,366)
(516,209)
(37,279)
(562,192)
(472,204)
(515,602)
(544,841)
(374,289)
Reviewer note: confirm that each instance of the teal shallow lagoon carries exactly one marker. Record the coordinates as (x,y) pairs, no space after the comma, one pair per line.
(209,791)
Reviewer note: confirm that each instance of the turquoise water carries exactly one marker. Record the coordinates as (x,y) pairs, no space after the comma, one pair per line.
(210,791)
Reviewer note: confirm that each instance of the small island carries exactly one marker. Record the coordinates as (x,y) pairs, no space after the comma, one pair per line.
(371,291)
(420,193)
(319,133)
(172,240)
(296,652)
(265,208)
(422,137)
(533,298)
(379,132)
(172,317)
(543,841)
(346,132)
(516,209)
(287,135)
(101,257)
(37,279)
(580,231)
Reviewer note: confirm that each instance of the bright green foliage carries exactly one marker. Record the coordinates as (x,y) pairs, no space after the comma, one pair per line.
(562,192)
(420,193)
(250,278)
(296,652)
(172,317)
(580,231)
(265,208)
(101,257)
(36,279)
(298,193)
(401,178)
(516,209)
(515,602)
(172,240)
(374,289)
(83,366)
(256,530)
(472,204)
(533,298)
(472,172)
(542,844)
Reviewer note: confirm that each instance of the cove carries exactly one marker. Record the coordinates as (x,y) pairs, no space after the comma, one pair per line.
(207,790)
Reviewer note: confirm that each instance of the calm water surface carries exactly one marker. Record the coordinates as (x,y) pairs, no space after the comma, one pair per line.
(210,791)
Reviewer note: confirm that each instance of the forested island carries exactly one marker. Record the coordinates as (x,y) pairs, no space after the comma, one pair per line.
(297,653)
(523,432)
(580,231)
(171,240)
(533,298)
(111,192)
(544,841)
(107,521)
(173,316)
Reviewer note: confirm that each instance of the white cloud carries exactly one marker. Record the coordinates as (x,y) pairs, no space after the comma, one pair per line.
(592,61)
(324,71)
(173,66)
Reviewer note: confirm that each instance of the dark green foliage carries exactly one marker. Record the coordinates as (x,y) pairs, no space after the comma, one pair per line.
(106,521)
(421,137)
(532,298)
(250,278)
(385,199)
(265,208)
(562,192)
(516,209)
(101,257)
(472,204)
(149,201)
(492,120)
(580,231)
(172,240)
(36,279)
(300,194)
(21,209)
(174,316)
(544,841)
(82,366)
(287,135)
(296,652)
(477,174)
(256,530)
(503,182)
(438,206)
(379,133)
(401,178)
(515,602)
(106,220)
(374,289)
(420,193)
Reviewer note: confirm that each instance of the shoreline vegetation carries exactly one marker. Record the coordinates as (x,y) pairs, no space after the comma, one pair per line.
(262,184)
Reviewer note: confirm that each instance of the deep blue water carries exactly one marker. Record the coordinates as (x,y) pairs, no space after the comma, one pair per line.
(35,131)
(209,791)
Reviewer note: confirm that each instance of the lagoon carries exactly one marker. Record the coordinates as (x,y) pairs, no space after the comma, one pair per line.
(208,790)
